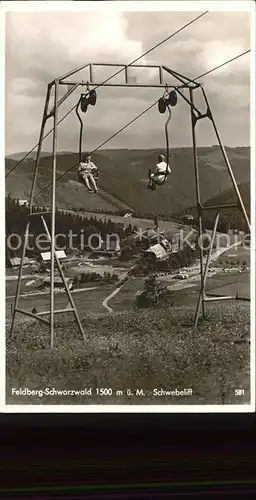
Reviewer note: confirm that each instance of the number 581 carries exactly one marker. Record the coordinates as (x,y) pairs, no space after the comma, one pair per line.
(239,392)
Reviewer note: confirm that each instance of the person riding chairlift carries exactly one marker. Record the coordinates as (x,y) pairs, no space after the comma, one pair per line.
(158,176)
(86,172)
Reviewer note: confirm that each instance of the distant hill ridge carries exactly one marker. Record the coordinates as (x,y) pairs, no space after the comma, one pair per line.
(32,155)
(229,196)
(232,217)
(123,179)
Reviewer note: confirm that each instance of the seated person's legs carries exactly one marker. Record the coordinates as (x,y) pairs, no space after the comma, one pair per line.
(92,182)
(151,179)
(159,179)
(86,180)
(156,180)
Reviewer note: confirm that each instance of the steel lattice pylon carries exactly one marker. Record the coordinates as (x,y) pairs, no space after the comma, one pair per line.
(185,84)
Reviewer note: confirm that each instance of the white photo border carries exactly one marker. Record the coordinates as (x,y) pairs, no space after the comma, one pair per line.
(125,6)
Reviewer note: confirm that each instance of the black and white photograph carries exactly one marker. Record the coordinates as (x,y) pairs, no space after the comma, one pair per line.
(129,157)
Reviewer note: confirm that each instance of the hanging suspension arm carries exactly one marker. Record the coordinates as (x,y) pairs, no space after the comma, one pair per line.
(169,99)
(167,142)
(89,97)
(81,130)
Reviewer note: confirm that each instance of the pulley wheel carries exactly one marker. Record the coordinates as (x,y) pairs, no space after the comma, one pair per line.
(172,98)
(92,97)
(84,104)
(162,105)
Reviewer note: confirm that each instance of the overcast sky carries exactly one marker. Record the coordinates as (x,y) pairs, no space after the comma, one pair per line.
(42,46)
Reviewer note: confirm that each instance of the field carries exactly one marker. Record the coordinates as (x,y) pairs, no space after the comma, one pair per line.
(186,293)
(235,256)
(87,299)
(90,297)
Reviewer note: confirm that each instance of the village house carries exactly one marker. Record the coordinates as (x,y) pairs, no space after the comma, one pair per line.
(58,283)
(157,252)
(14,262)
(46,256)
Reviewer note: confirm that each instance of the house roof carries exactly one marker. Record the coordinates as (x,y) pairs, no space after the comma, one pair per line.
(15,261)
(150,233)
(165,243)
(158,250)
(45,256)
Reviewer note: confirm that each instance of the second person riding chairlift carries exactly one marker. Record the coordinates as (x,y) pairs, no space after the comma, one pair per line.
(158,176)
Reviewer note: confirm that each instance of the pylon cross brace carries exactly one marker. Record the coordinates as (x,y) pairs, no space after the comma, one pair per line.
(39,315)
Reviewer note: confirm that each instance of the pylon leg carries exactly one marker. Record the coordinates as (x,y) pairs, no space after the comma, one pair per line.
(52,240)
(194,118)
(200,220)
(64,282)
(40,142)
(198,194)
(230,171)
(205,274)
(17,295)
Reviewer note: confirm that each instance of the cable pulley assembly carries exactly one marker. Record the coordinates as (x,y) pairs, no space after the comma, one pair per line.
(173,98)
(84,101)
(92,97)
(89,98)
(168,99)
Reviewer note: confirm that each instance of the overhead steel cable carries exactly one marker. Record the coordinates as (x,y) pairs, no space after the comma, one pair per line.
(134,119)
(102,144)
(44,137)
(108,79)
(223,64)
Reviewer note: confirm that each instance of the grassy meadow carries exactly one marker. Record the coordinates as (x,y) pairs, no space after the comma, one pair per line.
(138,349)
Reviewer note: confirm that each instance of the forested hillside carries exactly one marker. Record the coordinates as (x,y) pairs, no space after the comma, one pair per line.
(231,218)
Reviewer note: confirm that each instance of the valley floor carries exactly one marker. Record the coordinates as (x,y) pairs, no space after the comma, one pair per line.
(152,351)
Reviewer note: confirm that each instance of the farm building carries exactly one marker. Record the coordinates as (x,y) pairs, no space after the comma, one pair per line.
(157,252)
(165,243)
(152,239)
(15,261)
(104,253)
(109,248)
(23,202)
(146,238)
(46,256)
(188,218)
(150,234)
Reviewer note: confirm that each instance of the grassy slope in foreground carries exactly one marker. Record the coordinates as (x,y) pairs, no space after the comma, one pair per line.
(143,350)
